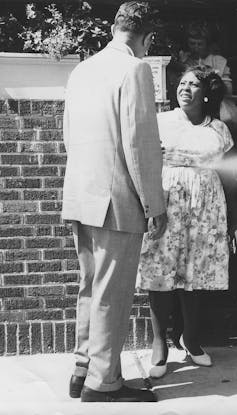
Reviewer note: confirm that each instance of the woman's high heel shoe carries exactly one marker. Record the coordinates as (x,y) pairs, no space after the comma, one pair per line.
(158,371)
(159,357)
(200,360)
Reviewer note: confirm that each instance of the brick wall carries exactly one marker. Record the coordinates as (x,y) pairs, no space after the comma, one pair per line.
(38,265)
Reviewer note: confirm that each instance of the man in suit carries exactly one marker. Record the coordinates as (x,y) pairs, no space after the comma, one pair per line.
(112,187)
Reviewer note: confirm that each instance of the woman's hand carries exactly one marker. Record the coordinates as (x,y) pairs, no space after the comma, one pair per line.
(159,225)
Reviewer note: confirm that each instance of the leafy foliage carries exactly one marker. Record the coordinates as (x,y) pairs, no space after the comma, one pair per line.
(73,30)
(9,29)
(168,39)
(50,31)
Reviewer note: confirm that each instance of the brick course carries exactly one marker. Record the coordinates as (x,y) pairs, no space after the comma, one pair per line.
(39,270)
(37,312)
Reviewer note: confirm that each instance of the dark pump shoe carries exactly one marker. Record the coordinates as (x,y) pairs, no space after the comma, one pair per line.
(124,394)
(76,385)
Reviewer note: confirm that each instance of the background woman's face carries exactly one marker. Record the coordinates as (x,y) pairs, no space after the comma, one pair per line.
(190,92)
(197,47)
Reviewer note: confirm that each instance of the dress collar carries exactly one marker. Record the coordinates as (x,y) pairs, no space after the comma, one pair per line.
(182,116)
(122,47)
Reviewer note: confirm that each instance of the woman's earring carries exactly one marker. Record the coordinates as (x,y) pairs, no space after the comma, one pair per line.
(146,53)
(205,99)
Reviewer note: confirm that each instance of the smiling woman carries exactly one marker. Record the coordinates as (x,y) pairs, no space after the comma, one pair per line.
(193,254)
(200,93)
(190,95)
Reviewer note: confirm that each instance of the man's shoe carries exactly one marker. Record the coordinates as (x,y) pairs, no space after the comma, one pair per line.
(76,385)
(124,394)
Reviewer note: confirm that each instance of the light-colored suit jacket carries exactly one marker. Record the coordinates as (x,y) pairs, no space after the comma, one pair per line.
(114,164)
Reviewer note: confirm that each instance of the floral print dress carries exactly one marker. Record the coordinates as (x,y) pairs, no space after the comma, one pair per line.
(193,252)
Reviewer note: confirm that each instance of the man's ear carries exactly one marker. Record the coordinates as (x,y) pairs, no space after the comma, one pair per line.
(147,41)
(112,30)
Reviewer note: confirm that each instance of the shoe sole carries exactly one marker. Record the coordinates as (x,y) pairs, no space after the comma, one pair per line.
(117,400)
(74,395)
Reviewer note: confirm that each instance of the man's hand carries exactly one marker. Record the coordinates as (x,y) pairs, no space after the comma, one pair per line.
(159,225)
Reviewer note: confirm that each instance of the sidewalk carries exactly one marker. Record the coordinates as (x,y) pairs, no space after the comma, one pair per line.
(38,385)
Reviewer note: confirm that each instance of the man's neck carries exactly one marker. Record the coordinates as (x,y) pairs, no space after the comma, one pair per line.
(127,39)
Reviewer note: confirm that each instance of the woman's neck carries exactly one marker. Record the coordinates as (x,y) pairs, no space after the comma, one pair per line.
(196,117)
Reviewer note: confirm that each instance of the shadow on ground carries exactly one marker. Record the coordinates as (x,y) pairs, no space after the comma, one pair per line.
(185,379)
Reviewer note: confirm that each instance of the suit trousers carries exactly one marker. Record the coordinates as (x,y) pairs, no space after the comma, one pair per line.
(108,267)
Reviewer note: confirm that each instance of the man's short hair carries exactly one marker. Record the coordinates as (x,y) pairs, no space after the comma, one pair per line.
(136,17)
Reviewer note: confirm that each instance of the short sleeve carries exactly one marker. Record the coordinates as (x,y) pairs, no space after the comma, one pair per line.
(227,138)
(226,74)
(224,134)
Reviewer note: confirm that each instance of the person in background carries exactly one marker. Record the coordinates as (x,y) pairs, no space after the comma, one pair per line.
(199,52)
(112,187)
(193,253)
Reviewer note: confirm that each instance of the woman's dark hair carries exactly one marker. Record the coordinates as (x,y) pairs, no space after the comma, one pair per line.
(214,88)
(137,17)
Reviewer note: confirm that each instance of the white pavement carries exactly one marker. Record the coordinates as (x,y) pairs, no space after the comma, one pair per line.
(38,385)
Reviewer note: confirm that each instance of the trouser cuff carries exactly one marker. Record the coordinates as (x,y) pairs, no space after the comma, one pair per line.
(93,383)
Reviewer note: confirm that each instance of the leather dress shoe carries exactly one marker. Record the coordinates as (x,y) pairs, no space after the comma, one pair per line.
(76,385)
(124,394)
